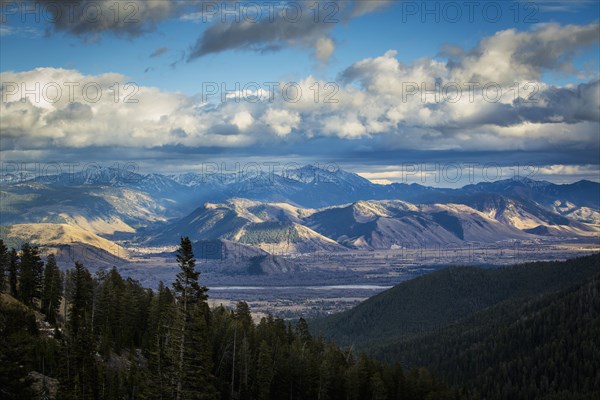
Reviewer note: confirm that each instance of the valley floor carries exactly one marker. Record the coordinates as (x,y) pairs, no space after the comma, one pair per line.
(326,283)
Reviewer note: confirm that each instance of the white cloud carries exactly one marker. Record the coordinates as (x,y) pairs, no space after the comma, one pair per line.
(510,56)
(370,101)
(243,120)
(281,121)
(324,48)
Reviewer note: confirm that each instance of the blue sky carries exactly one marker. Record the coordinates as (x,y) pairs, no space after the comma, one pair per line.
(554,45)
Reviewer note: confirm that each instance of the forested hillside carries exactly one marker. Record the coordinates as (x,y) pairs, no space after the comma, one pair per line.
(433,301)
(545,348)
(530,331)
(78,336)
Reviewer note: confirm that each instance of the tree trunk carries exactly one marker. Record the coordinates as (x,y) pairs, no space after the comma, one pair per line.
(182,345)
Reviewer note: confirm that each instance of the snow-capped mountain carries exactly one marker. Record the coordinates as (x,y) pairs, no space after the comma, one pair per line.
(306,208)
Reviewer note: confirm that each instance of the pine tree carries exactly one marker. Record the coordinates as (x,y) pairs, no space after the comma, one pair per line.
(302,330)
(193,377)
(160,364)
(31,275)
(264,371)
(13,272)
(4,263)
(83,376)
(52,292)
(245,338)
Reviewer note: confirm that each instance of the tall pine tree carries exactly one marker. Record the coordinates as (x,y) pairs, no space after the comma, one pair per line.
(194,378)
(160,364)
(52,292)
(4,262)
(13,272)
(82,375)
(31,276)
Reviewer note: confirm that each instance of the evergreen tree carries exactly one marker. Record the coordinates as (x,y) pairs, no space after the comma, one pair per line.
(13,272)
(82,374)
(31,275)
(264,371)
(160,365)
(52,292)
(187,289)
(4,263)
(245,338)
(109,311)
(302,330)
(243,316)
(193,377)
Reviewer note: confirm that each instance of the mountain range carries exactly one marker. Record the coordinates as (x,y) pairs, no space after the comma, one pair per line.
(302,210)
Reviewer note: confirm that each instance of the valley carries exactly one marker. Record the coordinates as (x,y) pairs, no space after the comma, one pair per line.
(326,283)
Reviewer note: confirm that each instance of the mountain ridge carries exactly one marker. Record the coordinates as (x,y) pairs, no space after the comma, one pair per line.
(310,203)
(367,225)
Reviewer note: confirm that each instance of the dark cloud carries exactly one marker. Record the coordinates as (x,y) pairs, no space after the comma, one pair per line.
(261,36)
(581,103)
(72,112)
(552,105)
(555,53)
(284,27)
(225,129)
(277,26)
(91,18)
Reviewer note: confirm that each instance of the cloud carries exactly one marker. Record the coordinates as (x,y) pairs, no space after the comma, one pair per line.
(510,55)
(28,32)
(281,121)
(91,18)
(367,112)
(458,174)
(305,25)
(562,5)
(299,24)
(493,66)
(159,52)
(324,48)
(6,30)
(367,6)
(264,35)
(71,113)
(243,120)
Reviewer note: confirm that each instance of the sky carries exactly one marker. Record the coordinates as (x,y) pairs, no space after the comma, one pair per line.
(440,93)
